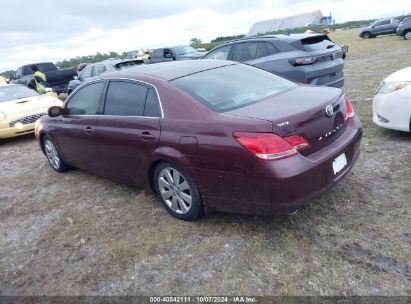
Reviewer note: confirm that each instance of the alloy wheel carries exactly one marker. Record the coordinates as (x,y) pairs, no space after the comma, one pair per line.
(175,190)
(52,154)
(408,35)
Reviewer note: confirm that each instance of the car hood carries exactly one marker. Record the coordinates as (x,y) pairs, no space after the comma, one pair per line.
(401,75)
(28,104)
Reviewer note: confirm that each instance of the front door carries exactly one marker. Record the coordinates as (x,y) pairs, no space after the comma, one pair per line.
(76,137)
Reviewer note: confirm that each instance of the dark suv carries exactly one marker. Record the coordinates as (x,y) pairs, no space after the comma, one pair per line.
(379,27)
(404,28)
(305,58)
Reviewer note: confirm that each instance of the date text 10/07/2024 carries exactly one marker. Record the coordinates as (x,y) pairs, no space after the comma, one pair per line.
(203,299)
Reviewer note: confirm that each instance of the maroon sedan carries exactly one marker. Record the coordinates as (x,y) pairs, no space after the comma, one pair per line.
(206,136)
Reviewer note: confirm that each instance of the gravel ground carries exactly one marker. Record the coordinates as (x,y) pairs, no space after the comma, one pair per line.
(78,234)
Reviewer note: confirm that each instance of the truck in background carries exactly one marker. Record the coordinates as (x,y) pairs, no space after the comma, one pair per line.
(56,78)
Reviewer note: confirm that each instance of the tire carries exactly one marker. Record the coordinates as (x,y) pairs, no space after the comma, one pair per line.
(366,35)
(53,156)
(177,192)
(407,35)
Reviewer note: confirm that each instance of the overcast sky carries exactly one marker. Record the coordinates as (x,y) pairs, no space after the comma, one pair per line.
(49,30)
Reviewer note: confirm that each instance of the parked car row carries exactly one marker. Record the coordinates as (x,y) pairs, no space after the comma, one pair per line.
(387,26)
(242,129)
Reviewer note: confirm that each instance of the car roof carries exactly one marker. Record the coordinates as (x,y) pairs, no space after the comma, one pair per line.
(169,70)
(286,38)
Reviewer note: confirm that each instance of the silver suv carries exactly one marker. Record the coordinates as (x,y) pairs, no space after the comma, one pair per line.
(404,28)
(380,27)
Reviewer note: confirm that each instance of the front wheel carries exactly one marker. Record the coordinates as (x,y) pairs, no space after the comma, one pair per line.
(177,192)
(366,35)
(407,35)
(53,156)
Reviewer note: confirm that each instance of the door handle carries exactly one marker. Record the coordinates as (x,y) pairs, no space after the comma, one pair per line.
(88,130)
(146,135)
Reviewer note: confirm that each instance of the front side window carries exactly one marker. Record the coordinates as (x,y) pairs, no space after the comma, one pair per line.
(219,54)
(125,99)
(230,87)
(86,101)
(244,51)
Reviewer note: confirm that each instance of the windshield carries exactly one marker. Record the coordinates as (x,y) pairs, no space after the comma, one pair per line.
(15,92)
(230,87)
(128,64)
(182,50)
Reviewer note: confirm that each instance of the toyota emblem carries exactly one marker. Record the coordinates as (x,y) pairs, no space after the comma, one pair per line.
(329,110)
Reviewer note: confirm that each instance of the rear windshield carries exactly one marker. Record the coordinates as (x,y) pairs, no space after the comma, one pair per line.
(12,92)
(128,64)
(317,43)
(231,87)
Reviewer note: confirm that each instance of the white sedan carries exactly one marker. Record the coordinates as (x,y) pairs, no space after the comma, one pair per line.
(392,101)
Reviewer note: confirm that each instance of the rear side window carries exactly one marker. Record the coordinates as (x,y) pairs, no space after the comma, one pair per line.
(128,64)
(99,69)
(152,107)
(86,73)
(125,99)
(317,43)
(265,49)
(244,51)
(219,54)
(86,100)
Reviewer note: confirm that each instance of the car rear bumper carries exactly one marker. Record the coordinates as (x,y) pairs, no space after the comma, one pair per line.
(280,186)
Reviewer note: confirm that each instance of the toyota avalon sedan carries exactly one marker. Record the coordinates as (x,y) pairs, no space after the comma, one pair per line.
(206,136)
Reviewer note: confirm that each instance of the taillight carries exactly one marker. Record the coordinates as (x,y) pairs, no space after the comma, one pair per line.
(297,142)
(304,61)
(269,146)
(349,110)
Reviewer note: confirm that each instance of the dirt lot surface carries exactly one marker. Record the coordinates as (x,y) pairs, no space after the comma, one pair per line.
(77,234)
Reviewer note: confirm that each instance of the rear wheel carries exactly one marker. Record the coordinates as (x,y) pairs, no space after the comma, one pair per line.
(407,35)
(53,155)
(366,35)
(177,192)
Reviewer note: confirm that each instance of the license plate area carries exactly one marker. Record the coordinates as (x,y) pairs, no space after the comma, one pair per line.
(339,163)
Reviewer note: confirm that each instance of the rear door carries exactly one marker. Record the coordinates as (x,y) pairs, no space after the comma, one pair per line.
(76,132)
(128,131)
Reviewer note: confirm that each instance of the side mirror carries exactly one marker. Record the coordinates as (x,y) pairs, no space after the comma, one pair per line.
(56,111)
(75,77)
(168,55)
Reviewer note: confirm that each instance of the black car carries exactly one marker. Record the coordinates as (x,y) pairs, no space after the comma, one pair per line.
(306,58)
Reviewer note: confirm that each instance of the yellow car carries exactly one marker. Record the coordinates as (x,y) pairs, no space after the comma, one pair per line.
(2,81)
(20,107)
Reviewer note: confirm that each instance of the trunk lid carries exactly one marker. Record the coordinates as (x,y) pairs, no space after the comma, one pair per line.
(302,111)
